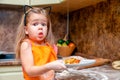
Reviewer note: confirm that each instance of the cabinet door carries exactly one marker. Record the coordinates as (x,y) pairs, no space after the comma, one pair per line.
(44,2)
(11,73)
(15,2)
(11,76)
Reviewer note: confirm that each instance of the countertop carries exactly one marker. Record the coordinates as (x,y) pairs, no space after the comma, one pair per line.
(104,72)
(10,62)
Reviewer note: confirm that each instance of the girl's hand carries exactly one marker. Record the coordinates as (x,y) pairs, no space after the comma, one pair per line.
(56,65)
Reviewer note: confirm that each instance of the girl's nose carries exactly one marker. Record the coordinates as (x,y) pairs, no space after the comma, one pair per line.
(40,28)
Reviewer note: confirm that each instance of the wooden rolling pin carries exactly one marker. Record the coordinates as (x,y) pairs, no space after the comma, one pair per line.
(99,61)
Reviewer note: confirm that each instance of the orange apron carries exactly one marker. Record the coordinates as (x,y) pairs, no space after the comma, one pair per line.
(41,56)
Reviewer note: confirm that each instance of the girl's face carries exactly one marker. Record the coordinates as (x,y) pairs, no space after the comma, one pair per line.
(36,27)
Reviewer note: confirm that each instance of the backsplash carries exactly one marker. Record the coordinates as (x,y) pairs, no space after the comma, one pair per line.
(8,24)
(96,29)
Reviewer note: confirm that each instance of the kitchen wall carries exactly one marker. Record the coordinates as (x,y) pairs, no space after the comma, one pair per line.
(94,29)
(9,19)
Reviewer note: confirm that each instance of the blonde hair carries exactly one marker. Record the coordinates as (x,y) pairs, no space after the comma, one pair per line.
(21,29)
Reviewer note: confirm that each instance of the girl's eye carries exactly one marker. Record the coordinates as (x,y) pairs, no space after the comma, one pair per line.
(35,24)
(43,24)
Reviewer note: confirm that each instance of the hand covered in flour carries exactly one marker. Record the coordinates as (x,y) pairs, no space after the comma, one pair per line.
(56,65)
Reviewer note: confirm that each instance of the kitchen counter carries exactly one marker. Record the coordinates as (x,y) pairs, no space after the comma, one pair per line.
(104,72)
(9,62)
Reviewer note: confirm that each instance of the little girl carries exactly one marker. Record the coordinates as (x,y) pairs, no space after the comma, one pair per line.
(34,46)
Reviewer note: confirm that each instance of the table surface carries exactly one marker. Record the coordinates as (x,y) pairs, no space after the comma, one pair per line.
(104,72)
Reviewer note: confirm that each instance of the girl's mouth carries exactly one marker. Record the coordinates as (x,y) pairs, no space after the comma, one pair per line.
(40,35)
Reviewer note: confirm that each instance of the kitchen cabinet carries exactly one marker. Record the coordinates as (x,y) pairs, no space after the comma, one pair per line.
(15,2)
(11,73)
(30,2)
(57,5)
(43,2)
